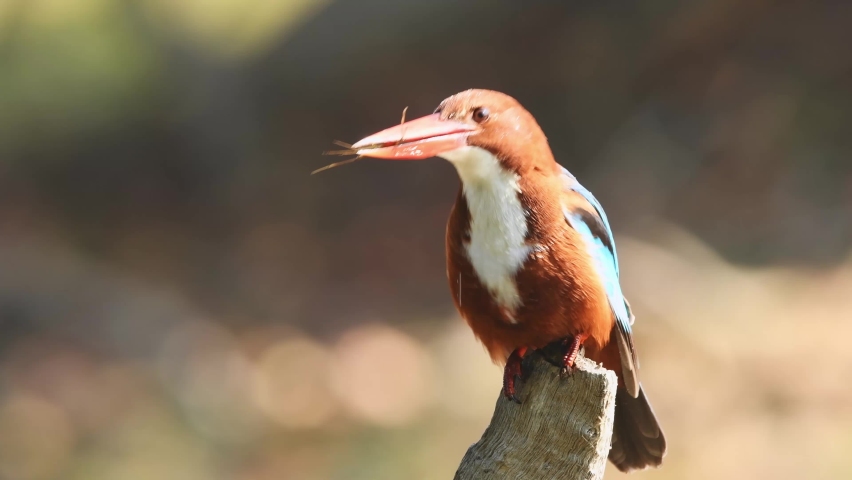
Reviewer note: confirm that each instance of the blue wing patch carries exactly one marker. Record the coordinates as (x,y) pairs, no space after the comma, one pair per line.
(593,226)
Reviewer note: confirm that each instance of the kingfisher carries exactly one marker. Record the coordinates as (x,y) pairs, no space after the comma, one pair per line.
(531,258)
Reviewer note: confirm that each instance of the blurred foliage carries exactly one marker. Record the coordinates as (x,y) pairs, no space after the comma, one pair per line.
(180,300)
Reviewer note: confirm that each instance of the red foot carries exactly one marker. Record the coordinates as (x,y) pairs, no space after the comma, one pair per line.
(512,373)
(571,353)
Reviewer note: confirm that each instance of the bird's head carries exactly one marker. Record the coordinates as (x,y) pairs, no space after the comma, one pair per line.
(476,130)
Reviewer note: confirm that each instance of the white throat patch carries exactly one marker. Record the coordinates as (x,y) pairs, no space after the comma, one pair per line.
(498,224)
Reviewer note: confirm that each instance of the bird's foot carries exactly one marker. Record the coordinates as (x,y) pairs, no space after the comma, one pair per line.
(513,372)
(572,345)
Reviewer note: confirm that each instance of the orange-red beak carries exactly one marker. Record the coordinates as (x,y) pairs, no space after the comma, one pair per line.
(424,137)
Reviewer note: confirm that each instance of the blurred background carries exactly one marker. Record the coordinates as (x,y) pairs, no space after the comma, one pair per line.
(179,299)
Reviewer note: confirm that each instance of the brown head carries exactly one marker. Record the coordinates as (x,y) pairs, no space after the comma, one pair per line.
(474,130)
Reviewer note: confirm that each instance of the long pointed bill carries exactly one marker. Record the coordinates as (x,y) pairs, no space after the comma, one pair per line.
(424,137)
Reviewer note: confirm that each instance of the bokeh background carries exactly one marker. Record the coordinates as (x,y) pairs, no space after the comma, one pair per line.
(179,299)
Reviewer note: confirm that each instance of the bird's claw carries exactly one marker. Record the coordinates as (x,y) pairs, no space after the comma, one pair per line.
(512,373)
(573,346)
(509,391)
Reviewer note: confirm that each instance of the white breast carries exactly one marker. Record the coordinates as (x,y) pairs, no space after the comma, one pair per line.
(498,223)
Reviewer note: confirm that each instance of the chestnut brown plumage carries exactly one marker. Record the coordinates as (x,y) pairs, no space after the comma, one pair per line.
(530,255)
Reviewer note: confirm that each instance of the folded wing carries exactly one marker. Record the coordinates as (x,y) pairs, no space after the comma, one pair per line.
(585,214)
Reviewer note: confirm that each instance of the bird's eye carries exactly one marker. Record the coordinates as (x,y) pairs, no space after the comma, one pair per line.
(480,114)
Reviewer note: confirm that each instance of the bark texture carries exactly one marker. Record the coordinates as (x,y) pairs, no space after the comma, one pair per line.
(562,429)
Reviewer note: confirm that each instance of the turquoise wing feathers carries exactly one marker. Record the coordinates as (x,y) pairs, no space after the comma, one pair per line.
(592,224)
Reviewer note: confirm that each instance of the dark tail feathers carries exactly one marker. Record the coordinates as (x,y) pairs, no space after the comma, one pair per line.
(637,439)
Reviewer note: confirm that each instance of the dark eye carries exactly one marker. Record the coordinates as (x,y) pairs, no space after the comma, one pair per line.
(480,114)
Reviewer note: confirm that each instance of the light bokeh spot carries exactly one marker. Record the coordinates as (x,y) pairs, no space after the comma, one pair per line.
(290,385)
(382,375)
(36,438)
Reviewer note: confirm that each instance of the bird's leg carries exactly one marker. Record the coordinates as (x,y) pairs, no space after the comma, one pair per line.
(512,373)
(571,352)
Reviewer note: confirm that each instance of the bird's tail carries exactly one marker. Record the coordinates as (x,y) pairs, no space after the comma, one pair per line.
(637,439)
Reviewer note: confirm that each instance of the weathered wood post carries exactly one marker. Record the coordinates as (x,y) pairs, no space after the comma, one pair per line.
(562,430)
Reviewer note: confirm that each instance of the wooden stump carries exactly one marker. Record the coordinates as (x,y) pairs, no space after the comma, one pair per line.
(562,429)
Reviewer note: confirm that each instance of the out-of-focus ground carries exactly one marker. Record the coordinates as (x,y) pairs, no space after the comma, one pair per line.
(180,300)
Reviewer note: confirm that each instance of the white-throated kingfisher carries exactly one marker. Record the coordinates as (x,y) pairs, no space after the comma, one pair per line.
(531,258)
